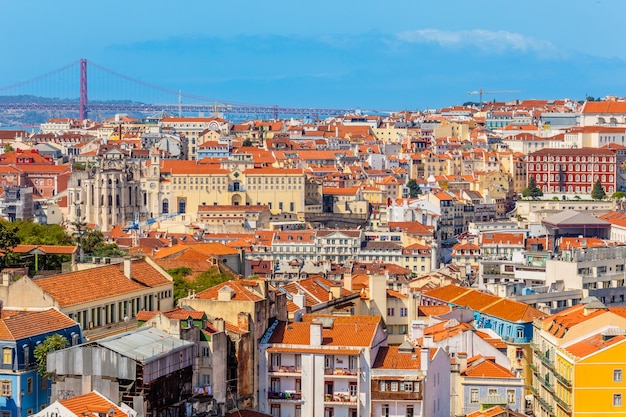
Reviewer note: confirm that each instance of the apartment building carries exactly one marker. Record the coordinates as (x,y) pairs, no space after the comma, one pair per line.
(320,366)
(409,381)
(553,384)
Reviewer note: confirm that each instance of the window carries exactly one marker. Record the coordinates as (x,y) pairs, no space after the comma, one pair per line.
(275,410)
(519,354)
(275,359)
(382,386)
(474,396)
(329,361)
(384,410)
(390,311)
(510,396)
(409,411)
(7,356)
(5,388)
(394,386)
(298,412)
(353,389)
(617,400)
(492,391)
(403,312)
(406,386)
(617,375)
(29,385)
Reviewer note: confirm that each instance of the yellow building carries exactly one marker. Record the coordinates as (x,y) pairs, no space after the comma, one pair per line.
(590,376)
(559,382)
(183,186)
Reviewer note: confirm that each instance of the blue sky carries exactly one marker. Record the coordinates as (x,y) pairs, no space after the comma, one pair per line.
(366,54)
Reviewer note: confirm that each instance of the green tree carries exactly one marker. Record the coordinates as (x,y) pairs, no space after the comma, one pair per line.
(30,233)
(246,142)
(8,148)
(93,243)
(50,344)
(597,192)
(414,188)
(181,284)
(617,195)
(532,190)
(8,240)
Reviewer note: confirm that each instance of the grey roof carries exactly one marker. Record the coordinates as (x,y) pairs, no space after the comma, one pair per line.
(143,344)
(566,217)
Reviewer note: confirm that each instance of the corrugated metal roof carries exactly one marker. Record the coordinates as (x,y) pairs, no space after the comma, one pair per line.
(144,344)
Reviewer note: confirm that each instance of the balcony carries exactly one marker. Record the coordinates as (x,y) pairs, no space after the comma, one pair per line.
(233,189)
(563,405)
(340,372)
(546,405)
(545,359)
(341,398)
(274,369)
(284,397)
(563,380)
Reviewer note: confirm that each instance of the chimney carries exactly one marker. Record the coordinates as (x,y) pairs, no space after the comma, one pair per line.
(334,293)
(428,341)
(299,299)
(128,267)
(461,359)
(219,324)
(225,293)
(347,281)
(243,321)
(315,334)
(424,358)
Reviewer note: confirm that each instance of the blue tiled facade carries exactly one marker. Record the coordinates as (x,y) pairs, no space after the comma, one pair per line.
(22,390)
(508,331)
(479,394)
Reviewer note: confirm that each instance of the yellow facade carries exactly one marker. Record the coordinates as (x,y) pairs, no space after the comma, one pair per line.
(189,186)
(595,390)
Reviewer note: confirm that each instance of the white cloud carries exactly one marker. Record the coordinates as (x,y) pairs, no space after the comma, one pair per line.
(490,41)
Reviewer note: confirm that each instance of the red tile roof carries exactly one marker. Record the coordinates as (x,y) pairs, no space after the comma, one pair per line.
(100,283)
(492,305)
(91,404)
(20,324)
(345,331)
(482,367)
(593,344)
(390,357)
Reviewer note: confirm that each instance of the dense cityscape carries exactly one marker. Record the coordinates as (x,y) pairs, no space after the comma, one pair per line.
(460,261)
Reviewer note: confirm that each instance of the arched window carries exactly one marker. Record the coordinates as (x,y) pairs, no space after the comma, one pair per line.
(165,206)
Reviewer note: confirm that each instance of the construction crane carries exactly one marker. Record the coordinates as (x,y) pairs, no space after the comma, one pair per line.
(481,92)
(135,226)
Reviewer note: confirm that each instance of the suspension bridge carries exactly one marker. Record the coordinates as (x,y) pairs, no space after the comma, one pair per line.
(68,89)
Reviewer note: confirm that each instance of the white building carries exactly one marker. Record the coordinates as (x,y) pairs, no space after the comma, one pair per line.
(320,366)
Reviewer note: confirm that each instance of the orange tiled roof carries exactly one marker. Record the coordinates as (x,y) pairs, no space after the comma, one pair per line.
(512,311)
(47,249)
(390,357)
(358,332)
(100,283)
(20,324)
(90,404)
(593,344)
(482,367)
(241,291)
